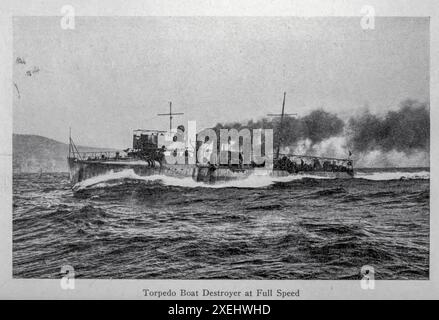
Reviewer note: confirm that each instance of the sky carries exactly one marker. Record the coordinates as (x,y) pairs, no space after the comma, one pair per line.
(111,75)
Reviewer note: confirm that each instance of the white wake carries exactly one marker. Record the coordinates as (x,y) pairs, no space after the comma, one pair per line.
(253,181)
(396,175)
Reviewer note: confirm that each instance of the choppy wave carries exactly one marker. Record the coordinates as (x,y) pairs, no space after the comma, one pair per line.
(307,228)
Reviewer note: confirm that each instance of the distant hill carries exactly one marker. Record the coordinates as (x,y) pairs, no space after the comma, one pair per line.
(33,153)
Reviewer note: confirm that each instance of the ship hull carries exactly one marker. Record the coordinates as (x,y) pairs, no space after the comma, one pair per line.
(81,170)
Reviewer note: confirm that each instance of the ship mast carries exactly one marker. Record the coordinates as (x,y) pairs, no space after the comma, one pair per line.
(73,150)
(70,141)
(281,124)
(170,114)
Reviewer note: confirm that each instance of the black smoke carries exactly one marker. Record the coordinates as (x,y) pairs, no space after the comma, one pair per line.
(405,130)
(320,125)
(316,126)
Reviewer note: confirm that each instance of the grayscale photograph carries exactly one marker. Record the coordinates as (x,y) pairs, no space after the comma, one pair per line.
(221,147)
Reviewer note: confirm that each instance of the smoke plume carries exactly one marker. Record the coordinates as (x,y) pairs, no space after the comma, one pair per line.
(400,138)
(404,130)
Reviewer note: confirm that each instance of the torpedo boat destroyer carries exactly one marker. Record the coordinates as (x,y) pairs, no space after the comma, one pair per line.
(150,156)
